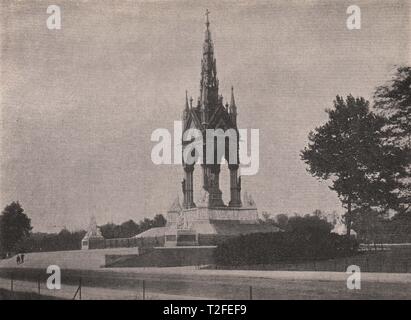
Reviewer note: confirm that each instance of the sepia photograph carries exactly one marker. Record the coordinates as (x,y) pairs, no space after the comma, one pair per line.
(225,150)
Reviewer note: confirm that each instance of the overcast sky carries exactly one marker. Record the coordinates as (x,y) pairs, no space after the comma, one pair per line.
(78,105)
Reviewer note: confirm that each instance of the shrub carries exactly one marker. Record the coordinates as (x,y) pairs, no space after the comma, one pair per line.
(266,248)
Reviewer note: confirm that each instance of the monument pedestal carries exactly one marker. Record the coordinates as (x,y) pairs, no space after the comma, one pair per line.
(203,225)
(180,237)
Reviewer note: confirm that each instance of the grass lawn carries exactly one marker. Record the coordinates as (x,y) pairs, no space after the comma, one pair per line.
(8,295)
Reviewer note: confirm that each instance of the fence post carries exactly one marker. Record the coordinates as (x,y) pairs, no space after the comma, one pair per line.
(79,292)
(251,293)
(11,283)
(38,285)
(144,290)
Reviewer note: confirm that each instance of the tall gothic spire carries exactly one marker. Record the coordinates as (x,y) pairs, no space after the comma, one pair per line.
(208,44)
(232,102)
(209,81)
(207,23)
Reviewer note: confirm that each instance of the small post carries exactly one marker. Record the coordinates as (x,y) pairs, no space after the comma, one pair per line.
(11,283)
(144,290)
(251,293)
(38,285)
(79,292)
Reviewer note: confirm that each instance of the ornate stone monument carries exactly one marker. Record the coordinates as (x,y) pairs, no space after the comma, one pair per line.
(201,222)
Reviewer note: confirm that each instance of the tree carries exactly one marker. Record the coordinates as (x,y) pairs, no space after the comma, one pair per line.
(159,221)
(369,225)
(129,229)
(111,231)
(64,240)
(309,225)
(146,224)
(14,226)
(393,102)
(281,221)
(347,150)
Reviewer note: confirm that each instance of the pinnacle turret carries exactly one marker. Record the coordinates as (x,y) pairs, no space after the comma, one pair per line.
(233,108)
(186,106)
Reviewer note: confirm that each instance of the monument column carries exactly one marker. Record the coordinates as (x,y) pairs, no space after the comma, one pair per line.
(235,187)
(216,199)
(235,182)
(188,187)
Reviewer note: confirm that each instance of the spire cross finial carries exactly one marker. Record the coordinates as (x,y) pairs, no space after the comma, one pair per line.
(206,14)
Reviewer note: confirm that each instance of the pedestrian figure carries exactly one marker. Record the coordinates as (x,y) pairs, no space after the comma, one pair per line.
(22,258)
(18,259)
